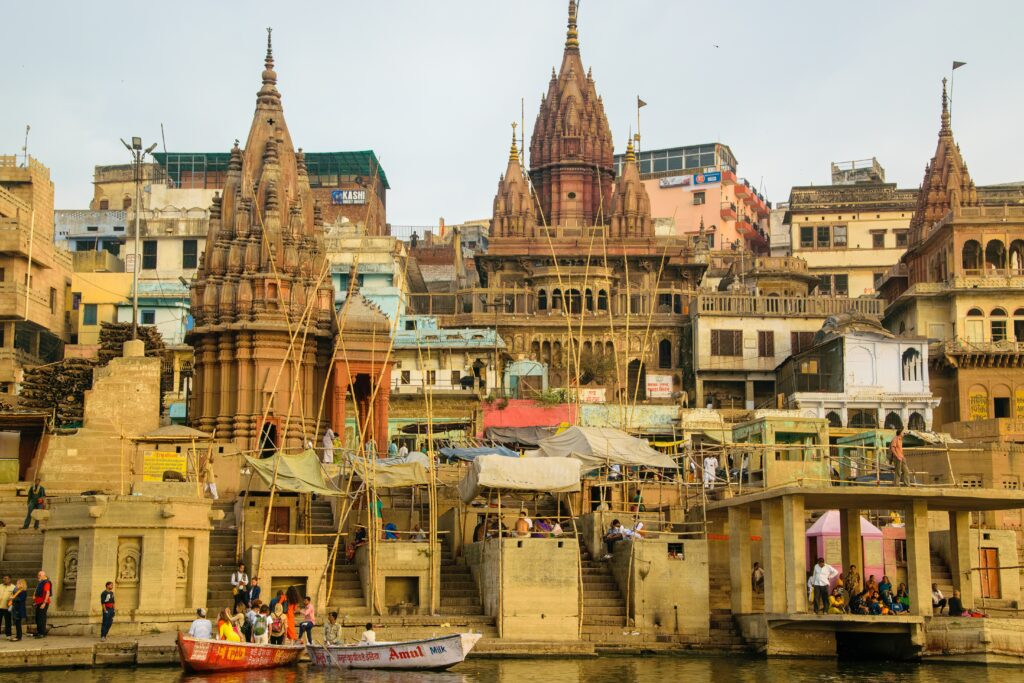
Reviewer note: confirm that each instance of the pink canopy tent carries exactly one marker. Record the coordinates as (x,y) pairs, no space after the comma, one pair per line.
(823,541)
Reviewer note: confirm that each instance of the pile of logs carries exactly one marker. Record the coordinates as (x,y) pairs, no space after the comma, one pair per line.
(59,389)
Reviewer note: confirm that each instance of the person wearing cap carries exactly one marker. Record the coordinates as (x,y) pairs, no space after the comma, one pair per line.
(201,626)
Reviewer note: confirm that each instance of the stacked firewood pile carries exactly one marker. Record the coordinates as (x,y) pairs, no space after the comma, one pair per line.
(114,335)
(59,389)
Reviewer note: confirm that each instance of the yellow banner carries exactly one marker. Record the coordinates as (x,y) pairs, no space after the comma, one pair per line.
(155,463)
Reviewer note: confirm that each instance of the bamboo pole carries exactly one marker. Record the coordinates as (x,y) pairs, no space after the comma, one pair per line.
(270,510)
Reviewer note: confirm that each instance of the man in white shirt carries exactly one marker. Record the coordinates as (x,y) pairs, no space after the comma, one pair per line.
(240,585)
(403,451)
(938,599)
(201,626)
(710,470)
(821,579)
(369,637)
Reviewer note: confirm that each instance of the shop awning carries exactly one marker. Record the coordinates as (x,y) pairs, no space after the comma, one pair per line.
(300,473)
(542,475)
(472,453)
(597,446)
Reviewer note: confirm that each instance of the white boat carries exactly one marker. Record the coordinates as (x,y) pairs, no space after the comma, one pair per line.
(430,654)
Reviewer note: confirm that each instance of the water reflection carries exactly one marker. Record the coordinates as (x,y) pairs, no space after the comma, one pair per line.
(639,669)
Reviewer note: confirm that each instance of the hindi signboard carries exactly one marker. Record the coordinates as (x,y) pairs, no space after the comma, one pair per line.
(155,463)
(659,386)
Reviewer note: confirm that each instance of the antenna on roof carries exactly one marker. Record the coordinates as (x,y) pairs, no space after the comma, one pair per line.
(162,138)
(25,148)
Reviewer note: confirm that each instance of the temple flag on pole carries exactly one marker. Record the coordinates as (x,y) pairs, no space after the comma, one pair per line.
(957,65)
(639,102)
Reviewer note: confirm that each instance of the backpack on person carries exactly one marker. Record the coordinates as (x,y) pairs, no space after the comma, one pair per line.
(277,628)
(260,627)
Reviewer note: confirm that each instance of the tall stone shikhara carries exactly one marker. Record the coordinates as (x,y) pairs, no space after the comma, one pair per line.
(262,300)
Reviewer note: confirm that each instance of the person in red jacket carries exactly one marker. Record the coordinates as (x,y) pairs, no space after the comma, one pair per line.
(41,600)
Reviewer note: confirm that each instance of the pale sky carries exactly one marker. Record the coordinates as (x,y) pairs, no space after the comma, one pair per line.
(433,86)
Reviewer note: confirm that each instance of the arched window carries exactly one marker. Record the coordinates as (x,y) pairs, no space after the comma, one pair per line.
(893,421)
(998,324)
(556,299)
(971,255)
(542,300)
(602,300)
(589,300)
(833,419)
(573,301)
(104,204)
(636,381)
(863,418)
(1017,256)
(995,255)
(912,365)
(665,354)
(975,313)
(916,422)
(126,203)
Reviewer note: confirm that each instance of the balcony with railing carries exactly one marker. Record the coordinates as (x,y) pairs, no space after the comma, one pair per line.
(728,211)
(727,304)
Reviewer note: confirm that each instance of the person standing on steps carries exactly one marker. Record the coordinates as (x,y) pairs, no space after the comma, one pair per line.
(821,579)
(36,501)
(240,586)
(6,593)
(41,600)
(107,605)
(209,478)
(17,607)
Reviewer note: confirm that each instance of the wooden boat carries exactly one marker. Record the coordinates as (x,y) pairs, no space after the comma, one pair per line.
(199,655)
(431,654)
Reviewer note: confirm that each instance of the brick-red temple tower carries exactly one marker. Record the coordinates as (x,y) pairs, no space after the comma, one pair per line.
(571,164)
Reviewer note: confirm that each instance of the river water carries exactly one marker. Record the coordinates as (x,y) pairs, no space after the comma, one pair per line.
(639,669)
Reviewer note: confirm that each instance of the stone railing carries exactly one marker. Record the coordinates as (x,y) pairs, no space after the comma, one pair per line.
(743,305)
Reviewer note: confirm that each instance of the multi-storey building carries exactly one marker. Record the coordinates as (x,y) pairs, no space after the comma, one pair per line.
(861,376)
(699,183)
(961,285)
(852,231)
(762,312)
(35,274)
(574,275)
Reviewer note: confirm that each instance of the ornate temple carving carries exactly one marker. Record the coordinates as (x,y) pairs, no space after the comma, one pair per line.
(262,301)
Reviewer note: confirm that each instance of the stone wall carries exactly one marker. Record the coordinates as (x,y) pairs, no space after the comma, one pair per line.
(403,577)
(123,403)
(531,586)
(154,549)
(665,595)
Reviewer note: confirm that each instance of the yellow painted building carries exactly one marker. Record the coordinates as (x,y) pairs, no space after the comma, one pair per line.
(95,298)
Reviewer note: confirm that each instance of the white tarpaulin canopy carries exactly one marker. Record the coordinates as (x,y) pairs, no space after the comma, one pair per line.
(596,446)
(549,475)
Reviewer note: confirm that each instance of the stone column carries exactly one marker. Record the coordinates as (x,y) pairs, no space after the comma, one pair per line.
(851,542)
(795,546)
(748,394)
(773,557)
(960,554)
(919,566)
(739,560)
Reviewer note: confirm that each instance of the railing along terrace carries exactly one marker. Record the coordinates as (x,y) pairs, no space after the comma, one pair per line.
(572,301)
(741,304)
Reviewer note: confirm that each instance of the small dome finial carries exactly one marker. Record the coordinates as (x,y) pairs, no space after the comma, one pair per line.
(572,38)
(513,153)
(630,153)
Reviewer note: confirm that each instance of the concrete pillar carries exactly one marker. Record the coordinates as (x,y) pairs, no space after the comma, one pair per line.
(739,560)
(919,565)
(960,555)
(795,548)
(773,557)
(748,394)
(698,390)
(852,544)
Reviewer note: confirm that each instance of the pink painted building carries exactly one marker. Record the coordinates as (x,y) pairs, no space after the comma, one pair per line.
(689,184)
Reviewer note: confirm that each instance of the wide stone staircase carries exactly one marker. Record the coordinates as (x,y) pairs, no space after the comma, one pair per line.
(459,594)
(346,589)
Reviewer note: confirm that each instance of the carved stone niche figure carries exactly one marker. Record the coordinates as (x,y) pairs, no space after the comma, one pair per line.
(71,568)
(128,561)
(181,566)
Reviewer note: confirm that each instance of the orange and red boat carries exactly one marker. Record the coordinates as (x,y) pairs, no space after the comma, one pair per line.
(199,655)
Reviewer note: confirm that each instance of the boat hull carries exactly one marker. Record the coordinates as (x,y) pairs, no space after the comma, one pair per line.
(205,656)
(431,654)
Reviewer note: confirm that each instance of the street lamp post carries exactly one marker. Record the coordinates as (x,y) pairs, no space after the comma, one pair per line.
(138,154)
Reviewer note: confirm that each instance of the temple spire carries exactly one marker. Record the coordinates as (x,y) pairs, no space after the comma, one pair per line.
(268,93)
(572,38)
(945,129)
(630,153)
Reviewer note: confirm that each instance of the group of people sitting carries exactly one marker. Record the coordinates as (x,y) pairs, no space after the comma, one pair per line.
(525,527)
(834,593)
